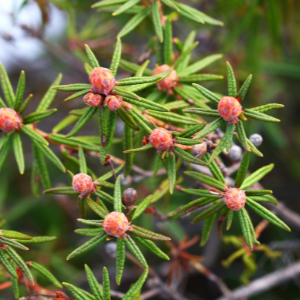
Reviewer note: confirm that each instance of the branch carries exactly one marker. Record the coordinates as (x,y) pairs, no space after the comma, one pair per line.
(264,283)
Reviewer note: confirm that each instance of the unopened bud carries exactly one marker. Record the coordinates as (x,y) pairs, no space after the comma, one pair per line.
(235,199)
(170,81)
(256,139)
(199,150)
(129,196)
(229,109)
(93,100)
(161,139)
(102,80)
(116,224)
(9,120)
(113,102)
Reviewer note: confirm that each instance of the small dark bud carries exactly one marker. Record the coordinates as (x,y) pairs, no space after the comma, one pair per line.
(199,150)
(129,197)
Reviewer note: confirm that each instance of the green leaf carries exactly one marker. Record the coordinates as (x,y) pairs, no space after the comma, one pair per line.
(78,94)
(6,87)
(43,271)
(212,182)
(156,164)
(34,135)
(156,20)
(75,291)
(62,190)
(170,3)
(103,3)
(195,15)
(186,156)
(141,120)
(7,265)
(242,172)
(147,234)
(125,7)
(12,243)
(20,263)
(110,174)
(229,219)
(106,285)
(266,214)
(200,78)
(20,91)
(210,128)
(243,90)
(14,235)
(232,91)
(199,65)
(209,212)
(118,195)
(41,167)
(133,248)
(97,223)
(88,114)
(229,135)
(2,104)
(116,58)
(89,232)
(37,116)
(98,209)
(245,227)
(89,245)
(202,112)
(25,104)
(242,136)
(91,56)
(18,150)
(140,80)
(127,119)
(252,230)
(256,176)
(81,206)
(213,98)
(14,282)
(64,123)
(134,290)
(168,43)
(267,107)
(257,192)
(102,120)
(82,161)
(156,108)
(142,68)
(170,164)
(93,283)
(172,117)
(134,22)
(49,96)
(191,206)
(259,116)
(50,155)
(220,147)
(142,206)
(88,68)
(37,240)
(187,133)
(5,150)
(120,259)
(208,223)
(127,144)
(132,67)
(104,196)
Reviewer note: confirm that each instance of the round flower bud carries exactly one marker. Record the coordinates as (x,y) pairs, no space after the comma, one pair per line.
(161,139)
(116,224)
(113,102)
(9,120)
(229,109)
(83,184)
(129,196)
(256,139)
(235,199)
(169,82)
(235,153)
(102,80)
(199,150)
(93,100)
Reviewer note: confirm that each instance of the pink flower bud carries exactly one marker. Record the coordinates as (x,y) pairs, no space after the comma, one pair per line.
(83,184)
(169,82)
(161,139)
(113,102)
(9,120)
(116,224)
(235,199)
(102,80)
(93,100)
(229,109)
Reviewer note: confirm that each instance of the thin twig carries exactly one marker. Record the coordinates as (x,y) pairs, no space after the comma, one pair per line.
(264,283)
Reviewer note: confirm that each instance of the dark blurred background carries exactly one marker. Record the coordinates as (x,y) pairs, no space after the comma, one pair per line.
(262,38)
